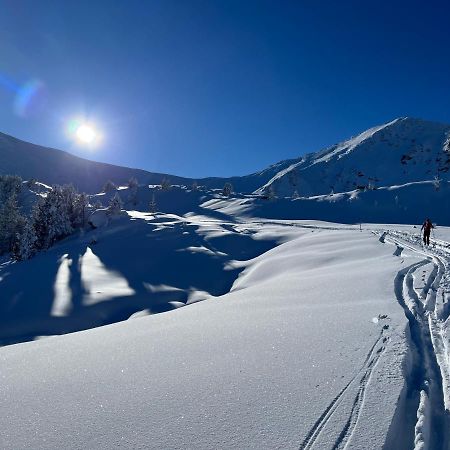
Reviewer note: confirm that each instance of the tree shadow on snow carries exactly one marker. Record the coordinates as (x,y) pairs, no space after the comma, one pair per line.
(159,262)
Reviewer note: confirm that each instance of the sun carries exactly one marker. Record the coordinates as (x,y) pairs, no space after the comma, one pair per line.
(86,134)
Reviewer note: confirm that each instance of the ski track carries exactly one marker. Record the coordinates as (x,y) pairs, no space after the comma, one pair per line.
(360,380)
(426,312)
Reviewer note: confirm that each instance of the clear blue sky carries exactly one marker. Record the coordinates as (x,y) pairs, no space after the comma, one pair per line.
(218,87)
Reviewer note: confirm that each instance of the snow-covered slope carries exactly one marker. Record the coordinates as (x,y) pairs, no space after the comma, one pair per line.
(409,203)
(297,354)
(402,151)
(296,334)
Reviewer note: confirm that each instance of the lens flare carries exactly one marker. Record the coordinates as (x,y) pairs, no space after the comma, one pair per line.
(30,98)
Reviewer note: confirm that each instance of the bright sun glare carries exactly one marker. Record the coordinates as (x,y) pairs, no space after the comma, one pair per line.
(86,134)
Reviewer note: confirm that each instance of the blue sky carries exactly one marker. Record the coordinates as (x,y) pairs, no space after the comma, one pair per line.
(218,87)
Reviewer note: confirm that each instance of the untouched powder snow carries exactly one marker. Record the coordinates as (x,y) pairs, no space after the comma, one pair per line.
(309,349)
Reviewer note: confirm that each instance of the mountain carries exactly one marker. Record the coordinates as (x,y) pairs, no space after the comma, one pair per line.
(396,153)
(399,152)
(53,166)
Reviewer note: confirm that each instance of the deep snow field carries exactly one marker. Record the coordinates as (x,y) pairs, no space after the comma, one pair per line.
(296,335)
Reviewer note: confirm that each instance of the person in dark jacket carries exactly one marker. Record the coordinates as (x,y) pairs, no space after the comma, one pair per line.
(426,228)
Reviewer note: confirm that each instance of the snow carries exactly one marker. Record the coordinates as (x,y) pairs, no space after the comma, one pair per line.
(256,323)
(253,368)
(402,151)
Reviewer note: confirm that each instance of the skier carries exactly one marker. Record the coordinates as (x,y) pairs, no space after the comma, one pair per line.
(426,228)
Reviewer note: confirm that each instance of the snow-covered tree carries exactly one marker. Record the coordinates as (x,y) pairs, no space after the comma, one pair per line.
(53,215)
(11,222)
(80,204)
(133,191)
(165,184)
(270,192)
(25,246)
(133,183)
(437,183)
(109,186)
(115,205)
(31,183)
(152,204)
(10,186)
(227,189)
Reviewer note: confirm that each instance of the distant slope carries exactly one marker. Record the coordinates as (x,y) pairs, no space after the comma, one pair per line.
(410,203)
(53,166)
(402,151)
(56,166)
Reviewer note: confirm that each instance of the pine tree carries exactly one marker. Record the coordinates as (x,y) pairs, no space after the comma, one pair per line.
(109,186)
(437,183)
(293,177)
(25,246)
(227,189)
(115,205)
(81,202)
(53,216)
(165,184)
(133,191)
(270,192)
(133,183)
(152,205)
(11,222)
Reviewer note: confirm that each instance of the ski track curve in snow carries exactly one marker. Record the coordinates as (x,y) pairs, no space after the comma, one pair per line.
(427,310)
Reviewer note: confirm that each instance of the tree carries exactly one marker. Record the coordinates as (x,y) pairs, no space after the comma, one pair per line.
(133,183)
(293,177)
(227,189)
(133,191)
(10,186)
(115,205)
(437,183)
(270,192)
(58,214)
(165,184)
(25,246)
(11,222)
(152,205)
(31,183)
(53,216)
(109,187)
(81,202)
(295,194)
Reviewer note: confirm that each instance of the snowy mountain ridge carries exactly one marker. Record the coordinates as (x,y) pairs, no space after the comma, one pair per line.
(400,151)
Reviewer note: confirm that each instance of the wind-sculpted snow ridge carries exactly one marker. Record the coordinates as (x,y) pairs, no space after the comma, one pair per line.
(427,310)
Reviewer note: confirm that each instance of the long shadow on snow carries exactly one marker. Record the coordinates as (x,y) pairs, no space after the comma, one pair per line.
(145,255)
